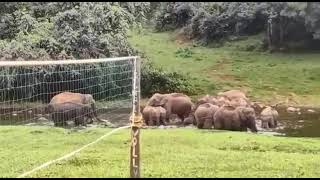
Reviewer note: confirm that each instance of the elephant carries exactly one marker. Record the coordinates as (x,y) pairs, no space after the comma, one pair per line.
(233,94)
(207,99)
(223,101)
(235,118)
(236,102)
(63,112)
(269,117)
(174,103)
(154,115)
(204,115)
(75,98)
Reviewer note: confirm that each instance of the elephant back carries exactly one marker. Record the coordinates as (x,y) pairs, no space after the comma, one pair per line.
(181,103)
(233,94)
(67,97)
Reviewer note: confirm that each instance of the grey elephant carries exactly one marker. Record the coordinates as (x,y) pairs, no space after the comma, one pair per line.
(154,115)
(204,115)
(235,118)
(68,111)
(174,103)
(269,117)
(79,98)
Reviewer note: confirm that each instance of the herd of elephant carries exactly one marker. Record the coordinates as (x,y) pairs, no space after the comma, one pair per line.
(230,110)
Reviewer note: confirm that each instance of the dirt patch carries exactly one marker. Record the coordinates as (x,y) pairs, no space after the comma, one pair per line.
(180,38)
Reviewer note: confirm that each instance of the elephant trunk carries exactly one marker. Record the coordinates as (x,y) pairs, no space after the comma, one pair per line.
(93,107)
(252,126)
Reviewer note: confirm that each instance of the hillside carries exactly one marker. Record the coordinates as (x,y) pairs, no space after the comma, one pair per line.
(270,77)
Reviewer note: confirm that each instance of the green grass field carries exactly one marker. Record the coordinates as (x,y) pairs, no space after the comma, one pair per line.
(265,76)
(165,153)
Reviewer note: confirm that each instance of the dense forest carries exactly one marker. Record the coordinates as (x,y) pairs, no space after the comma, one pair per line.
(81,30)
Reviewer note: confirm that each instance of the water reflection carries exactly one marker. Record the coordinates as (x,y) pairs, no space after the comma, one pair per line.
(303,124)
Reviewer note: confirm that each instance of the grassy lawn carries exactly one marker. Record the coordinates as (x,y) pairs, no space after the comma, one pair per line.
(165,153)
(266,77)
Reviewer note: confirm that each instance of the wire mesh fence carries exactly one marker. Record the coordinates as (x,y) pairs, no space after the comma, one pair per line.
(67,94)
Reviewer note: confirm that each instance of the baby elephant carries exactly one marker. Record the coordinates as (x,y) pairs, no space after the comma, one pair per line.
(154,115)
(269,117)
(63,112)
(204,115)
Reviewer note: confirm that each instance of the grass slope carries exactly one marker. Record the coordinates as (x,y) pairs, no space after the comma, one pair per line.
(292,77)
(165,153)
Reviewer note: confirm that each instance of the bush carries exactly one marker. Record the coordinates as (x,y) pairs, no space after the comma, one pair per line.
(184,53)
(156,80)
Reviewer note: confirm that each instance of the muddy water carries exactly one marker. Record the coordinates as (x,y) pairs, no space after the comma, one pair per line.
(295,124)
(303,124)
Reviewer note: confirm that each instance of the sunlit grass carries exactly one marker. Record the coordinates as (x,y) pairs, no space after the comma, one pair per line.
(164,153)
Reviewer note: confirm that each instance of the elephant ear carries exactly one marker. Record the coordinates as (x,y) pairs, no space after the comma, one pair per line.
(245,113)
(155,100)
(88,99)
(164,101)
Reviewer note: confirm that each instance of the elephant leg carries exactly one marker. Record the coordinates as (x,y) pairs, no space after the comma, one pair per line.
(157,122)
(207,123)
(275,123)
(270,124)
(76,121)
(168,112)
(194,121)
(182,118)
(151,122)
(200,123)
(163,121)
(218,124)
(146,122)
(264,125)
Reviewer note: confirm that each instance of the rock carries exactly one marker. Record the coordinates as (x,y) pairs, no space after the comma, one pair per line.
(292,109)
(189,120)
(311,110)
(42,119)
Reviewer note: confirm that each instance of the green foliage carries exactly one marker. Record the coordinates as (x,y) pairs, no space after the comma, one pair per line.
(284,23)
(156,80)
(66,30)
(312,18)
(184,53)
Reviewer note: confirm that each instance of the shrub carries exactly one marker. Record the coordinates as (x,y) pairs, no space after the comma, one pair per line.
(156,80)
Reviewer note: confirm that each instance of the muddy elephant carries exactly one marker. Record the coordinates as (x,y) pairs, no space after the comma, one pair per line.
(207,99)
(269,117)
(75,98)
(68,111)
(223,101)
(235,118)
(154,115)
(239,102)
(174,103)
(233,94)
(204,115)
